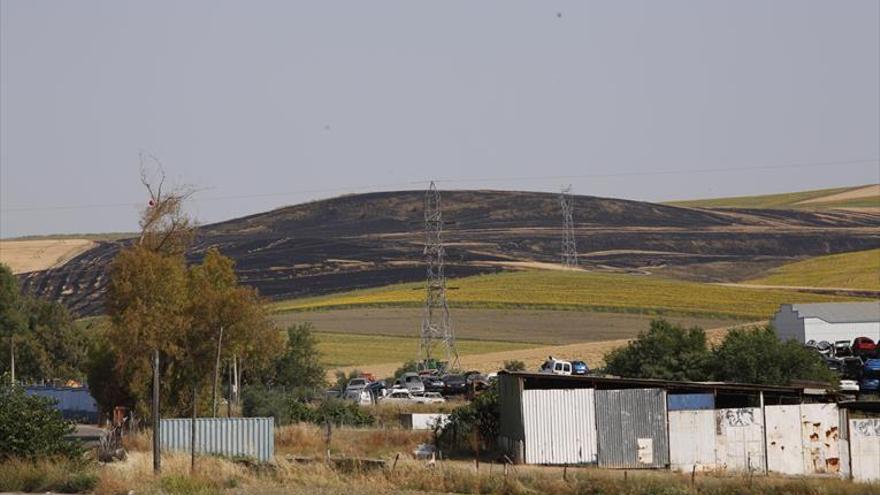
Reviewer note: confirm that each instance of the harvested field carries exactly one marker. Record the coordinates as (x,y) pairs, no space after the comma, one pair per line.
(591,352)
(542,327)
(32,255)
(339,350)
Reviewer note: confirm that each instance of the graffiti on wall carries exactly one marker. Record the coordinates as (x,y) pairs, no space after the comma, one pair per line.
(738,417)
(866,427)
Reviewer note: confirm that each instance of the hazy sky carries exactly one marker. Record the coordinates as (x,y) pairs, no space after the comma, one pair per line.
(263,104)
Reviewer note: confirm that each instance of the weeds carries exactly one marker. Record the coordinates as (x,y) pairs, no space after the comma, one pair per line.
(47,475)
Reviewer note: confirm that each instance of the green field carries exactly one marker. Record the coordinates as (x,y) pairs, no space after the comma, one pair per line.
(586,291)
(858,270)
(784,201)
(339,350)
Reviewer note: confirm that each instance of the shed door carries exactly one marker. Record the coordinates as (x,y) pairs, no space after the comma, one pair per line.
(785,453)
(820,427)
(739,439)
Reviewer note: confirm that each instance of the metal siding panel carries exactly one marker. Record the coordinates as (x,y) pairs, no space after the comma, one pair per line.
(864,446)
(785,452)
(692,440)
(250,437)
(623,418)
(821,438)
(559,426)
(739,442)
(690,402)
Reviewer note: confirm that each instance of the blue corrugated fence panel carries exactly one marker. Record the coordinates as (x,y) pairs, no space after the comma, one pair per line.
(690,402)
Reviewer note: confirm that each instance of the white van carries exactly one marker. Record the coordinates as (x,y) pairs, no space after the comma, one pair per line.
(553,366)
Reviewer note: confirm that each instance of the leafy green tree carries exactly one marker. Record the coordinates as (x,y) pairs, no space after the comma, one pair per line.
(12,318)
(32,428)
(756,355)
(667,351)
(300,365)
(410,366)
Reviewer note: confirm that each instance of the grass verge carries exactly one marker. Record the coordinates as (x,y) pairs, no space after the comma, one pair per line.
(47,475)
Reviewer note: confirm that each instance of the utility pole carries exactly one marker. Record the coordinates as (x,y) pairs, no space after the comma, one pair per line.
(216,376)
(436,328)
(569,247)
(157,453)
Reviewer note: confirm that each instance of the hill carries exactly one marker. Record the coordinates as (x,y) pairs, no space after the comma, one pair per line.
(858,270)
(577,290)
(373,240)
(867,196)
(31,255)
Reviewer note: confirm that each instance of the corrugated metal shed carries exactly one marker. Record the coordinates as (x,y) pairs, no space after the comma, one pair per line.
(233,437)
(864,446)
(739,442)
(692,440)
(632,428)
(690,402)
(560,426)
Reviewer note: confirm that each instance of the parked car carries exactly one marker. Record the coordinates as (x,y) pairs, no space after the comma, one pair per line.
(864,347)
(377,389)
(432,383)
(454,385)
(555,366)
(354,384)
(410,381)
(428,398)
(870,381)
(849,386)
(399,396)
(579,368)
(477,381)
(842,348)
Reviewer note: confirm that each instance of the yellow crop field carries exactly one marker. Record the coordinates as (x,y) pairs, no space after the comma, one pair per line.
(585,291)
(858,270)
(338,350)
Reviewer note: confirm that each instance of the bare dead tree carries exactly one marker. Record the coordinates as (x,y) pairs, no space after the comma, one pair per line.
(165,226)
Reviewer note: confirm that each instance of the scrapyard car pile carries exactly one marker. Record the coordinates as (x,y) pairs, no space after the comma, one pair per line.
(858,362)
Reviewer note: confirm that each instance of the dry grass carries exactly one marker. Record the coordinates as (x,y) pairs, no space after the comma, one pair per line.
(856,270)
(307,440)
(409,476)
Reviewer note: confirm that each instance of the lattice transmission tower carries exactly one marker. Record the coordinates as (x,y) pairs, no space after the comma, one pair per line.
(437,336)
(569,246)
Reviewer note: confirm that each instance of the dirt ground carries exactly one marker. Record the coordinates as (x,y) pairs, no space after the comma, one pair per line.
(511,325)
(33,255)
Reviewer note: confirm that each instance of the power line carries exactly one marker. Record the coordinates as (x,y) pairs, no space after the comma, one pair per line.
(453,180)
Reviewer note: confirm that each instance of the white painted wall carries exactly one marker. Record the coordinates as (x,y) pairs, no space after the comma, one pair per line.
(864,444)
(739,442)
(819,330)
(785,451)
(789,325)
(692,440)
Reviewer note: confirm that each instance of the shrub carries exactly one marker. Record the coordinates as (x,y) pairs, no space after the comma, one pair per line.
(514,365)
(264,402)
(31,427)
(341,413)
(477,420)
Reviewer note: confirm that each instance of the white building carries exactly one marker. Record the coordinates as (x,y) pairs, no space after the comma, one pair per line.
(828,321)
